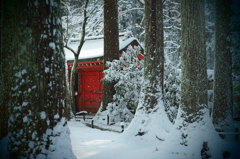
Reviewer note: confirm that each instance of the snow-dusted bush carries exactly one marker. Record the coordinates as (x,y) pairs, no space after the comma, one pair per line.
(127,72)
(172,81)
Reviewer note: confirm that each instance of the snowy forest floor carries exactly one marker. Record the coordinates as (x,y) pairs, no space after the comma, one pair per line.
(88,143)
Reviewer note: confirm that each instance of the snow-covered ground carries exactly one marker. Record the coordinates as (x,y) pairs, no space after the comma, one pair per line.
(88,143)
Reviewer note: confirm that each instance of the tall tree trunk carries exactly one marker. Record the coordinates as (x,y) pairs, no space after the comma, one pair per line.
(36,71)
(194,71)
(72,83)
(76,55)
(151,108)
(235,45)
(154,54)
(222,101)
(4,92)
(193,131)
(111,45)
(134,20)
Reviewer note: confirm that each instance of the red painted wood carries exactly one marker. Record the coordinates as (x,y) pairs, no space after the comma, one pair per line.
(91,90)
(140,56)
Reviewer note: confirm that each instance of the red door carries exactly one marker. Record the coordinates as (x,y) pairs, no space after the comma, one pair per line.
(91,90)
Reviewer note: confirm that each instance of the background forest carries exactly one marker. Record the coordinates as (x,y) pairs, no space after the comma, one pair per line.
(186,91)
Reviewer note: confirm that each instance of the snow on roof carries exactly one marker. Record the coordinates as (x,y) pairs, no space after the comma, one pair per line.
(93,46)
(90,49)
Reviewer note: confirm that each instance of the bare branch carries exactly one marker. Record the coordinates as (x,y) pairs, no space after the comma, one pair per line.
(141,2)
(67,7)
(132,9)
(173,52)
(70,49)
(83,28)
(142,21)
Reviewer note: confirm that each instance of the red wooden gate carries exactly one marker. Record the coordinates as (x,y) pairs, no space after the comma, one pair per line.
(91,90)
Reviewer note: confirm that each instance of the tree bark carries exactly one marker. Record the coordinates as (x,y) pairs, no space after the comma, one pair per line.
(134,20)
(111,45)
(4,95)
(222,101)
(151,107)
(76,55)
(36,72)
(72,83)
(193,130)
(154,53)
(194,71)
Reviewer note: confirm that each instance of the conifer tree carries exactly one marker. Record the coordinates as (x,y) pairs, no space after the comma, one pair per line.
(36,73)
(111,45)
(127,72)
(172,31)
(3,80)
(235,50)
(194,71)
(193,132)
(150,107)
(222,100)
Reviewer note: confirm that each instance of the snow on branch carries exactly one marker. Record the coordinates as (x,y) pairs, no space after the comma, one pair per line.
(70,49)
(129,10)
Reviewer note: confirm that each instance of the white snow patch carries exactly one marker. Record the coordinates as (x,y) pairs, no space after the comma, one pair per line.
(50,84)
(46,69)
(15,88)
(31,144)
(43,115)
(48,121)
(23,81)
(56,116)
(52,45)
(25,119)
(97,144)
(18,74)
(92,47)
(24,71)
(210,74)
(25,104)
(81,112)
(44,36)
(33,135)
(154,125)
(60,146)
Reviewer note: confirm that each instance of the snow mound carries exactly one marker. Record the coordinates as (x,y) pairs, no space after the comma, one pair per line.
(60,146)
(186,140)
(154,125)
